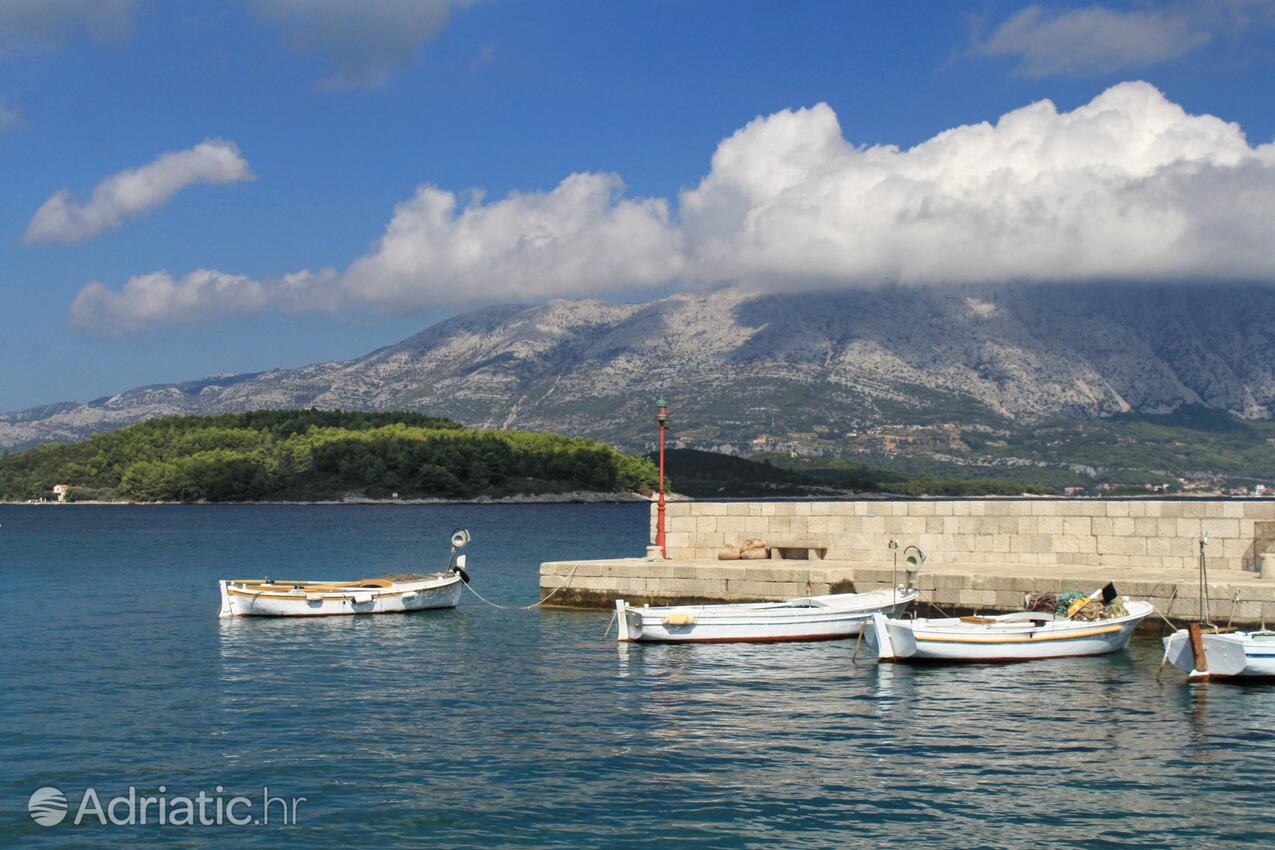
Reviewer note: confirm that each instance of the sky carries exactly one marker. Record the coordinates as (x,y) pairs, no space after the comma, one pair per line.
(193,188)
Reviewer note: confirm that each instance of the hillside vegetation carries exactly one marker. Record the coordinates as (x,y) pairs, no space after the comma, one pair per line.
(709,475)
(311,454)
(853,476)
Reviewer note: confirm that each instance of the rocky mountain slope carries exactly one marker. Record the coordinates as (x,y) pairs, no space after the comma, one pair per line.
(736,365)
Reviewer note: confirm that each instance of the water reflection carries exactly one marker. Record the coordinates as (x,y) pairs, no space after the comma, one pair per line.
(995,748)
(478,727)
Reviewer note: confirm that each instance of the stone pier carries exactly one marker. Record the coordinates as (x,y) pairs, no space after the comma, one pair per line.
(981,554)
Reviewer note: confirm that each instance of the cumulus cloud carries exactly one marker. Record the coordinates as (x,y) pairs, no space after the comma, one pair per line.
(581,238)
(48,24)
(1092,39)
(154,299)
(62,219)
(1096,40)
(1126,187)
(365,39)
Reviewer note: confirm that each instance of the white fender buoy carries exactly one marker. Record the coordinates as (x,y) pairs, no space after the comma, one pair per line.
(881,631)
(621,621)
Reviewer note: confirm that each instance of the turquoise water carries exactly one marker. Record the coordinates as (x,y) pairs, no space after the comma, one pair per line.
(487,728)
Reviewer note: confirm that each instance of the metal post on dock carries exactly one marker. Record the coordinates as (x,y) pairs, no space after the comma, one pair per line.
(1204,581)
(894,572)
(661,419)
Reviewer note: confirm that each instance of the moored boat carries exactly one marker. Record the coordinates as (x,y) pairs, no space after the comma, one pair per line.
(386,594)
(829,617)
(1019,636)
(1226,654)
(1203,651)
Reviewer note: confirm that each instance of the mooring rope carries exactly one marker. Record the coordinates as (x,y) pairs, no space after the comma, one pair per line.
(1167,621)
(555,592)
(854,659)
(1163,616)
(1172,598)
(930,601)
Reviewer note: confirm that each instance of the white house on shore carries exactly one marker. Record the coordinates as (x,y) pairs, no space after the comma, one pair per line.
(61,491)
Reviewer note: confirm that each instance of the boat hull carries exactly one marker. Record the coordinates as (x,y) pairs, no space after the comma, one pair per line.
(756,623)
(244,600)
(952,641)
(1238,655)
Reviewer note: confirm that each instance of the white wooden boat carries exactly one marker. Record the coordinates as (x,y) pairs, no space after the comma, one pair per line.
(839,615)
(1021,636)
(387,594)
(1227,654)
(384,595)
(1208,652)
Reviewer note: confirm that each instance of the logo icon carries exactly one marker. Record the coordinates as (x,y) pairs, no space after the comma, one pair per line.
(47,806)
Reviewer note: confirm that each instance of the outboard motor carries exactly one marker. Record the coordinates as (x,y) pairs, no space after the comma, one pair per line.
(455,563)
(914,557)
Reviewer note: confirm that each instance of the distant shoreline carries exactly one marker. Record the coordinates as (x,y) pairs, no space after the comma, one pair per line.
(578,498)
(545,499)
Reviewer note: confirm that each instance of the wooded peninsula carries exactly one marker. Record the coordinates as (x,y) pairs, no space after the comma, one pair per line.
(317,455)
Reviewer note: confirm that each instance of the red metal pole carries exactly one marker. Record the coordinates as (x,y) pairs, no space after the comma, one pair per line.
(659,512)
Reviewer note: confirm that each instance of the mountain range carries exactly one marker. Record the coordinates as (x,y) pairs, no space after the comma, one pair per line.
(744,370)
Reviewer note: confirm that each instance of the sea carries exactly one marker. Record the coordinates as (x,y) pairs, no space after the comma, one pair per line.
(130,715)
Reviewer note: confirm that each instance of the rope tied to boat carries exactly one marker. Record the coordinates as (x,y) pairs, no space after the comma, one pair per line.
(1167,621)
(552,594)
(1164,615)
(929,601)
(1234,601)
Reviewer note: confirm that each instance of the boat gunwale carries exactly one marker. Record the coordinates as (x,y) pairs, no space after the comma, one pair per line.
(1052,635)
(827,636)
(1017,631)
(775,609)
(301,594)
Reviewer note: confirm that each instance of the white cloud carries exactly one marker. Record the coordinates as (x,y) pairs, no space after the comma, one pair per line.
(581,238)
(130,192)
(48,24)
(1127,187)
(1095,40)
(365,39)
(154,299)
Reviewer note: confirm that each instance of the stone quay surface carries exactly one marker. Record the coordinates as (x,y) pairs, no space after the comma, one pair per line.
(981,555)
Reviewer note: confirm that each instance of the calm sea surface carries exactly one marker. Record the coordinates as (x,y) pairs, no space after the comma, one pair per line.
(487,728)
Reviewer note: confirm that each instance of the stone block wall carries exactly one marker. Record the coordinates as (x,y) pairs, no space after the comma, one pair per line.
(597,584)
(1141,534)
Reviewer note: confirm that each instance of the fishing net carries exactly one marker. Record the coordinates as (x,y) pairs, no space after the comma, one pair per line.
(1083,609)
(1115,609)
(1043,603)
(1078,606)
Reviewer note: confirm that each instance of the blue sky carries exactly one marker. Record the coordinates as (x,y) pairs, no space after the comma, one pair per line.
(331,118)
